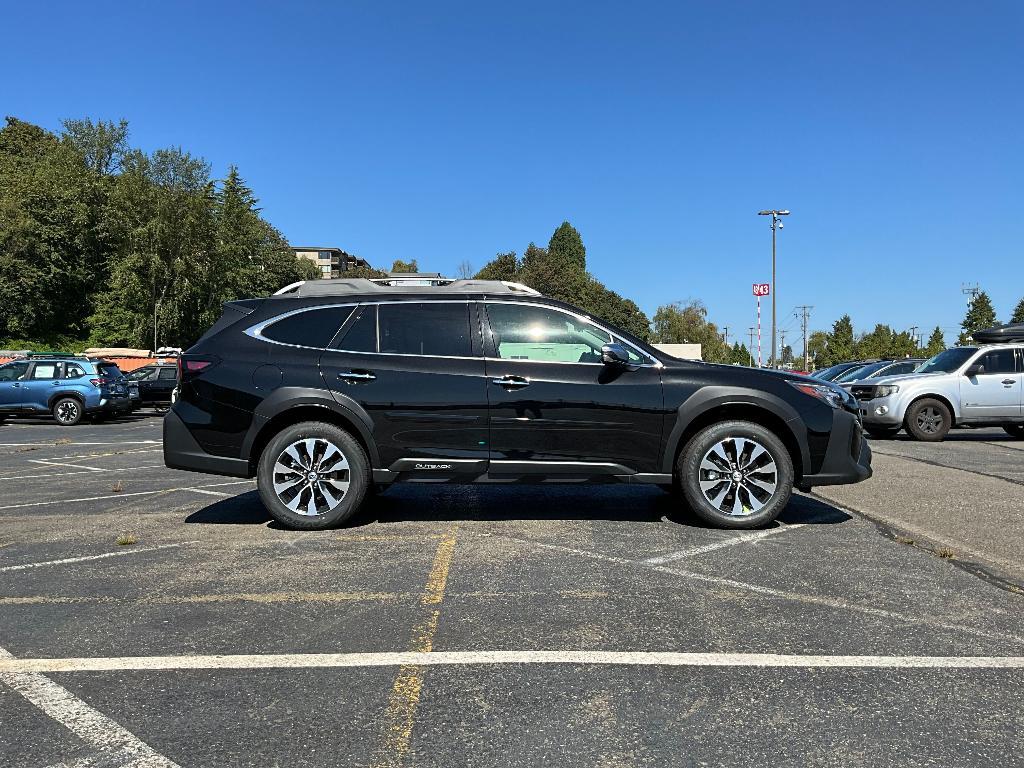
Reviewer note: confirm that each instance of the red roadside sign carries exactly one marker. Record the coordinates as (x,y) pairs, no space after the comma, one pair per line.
(762,289)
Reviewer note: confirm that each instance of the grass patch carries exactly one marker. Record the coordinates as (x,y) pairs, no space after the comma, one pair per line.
(117,487)
(62,441)
(904,540)
(946,553)
(126,539)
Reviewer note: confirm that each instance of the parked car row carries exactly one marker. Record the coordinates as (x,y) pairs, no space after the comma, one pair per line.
(71,388)
(981,385)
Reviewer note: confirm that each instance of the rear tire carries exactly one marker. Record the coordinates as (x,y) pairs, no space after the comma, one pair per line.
(736,474)
(1014,430)
(68,411)
(929,420)
(313,475)
(882,433)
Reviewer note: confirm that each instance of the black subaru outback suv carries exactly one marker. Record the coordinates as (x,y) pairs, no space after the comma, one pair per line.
(333,387)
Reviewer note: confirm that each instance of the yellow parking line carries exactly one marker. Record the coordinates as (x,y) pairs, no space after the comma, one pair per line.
(400,716)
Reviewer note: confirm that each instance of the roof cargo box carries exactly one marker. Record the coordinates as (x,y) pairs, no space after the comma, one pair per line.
(1000,334)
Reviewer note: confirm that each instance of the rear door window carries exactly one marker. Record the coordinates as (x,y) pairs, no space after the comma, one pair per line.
(73,371)
(13,372)
(168,374)
(309,327)
(42,371)
(361,336)
(437,329)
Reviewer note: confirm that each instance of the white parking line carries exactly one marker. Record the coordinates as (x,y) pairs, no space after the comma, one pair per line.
(781,594)
(208,493)
(84,558)
(73,466)
(731,542)
(50,443)
(117,745)
(117,495)
(11,665)
(84,472)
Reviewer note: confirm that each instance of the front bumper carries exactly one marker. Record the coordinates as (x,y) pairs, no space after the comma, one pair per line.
(881,411)
(847,458)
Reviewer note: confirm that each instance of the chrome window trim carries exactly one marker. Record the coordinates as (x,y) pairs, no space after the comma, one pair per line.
(256,331)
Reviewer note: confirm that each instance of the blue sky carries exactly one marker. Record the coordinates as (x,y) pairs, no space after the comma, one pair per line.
(451,131)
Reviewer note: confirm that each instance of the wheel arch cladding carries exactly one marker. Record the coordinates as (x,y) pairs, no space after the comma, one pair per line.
(77,396)
(715,404)
(311,406)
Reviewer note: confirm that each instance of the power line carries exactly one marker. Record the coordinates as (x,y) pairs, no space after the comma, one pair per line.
(805,314)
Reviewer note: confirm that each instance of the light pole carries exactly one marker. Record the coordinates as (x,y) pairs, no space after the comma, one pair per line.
(776,224)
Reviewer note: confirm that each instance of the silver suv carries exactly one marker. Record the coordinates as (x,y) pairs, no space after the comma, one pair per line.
(977,386)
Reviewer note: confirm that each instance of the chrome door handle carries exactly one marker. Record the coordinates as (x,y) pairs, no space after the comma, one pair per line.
(515,382)
(1009,382)
(356,375)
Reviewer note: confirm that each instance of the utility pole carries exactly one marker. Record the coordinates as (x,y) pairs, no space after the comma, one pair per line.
(805,311)
(782,347)
(725,335)
(970,289)
(913,336)
(750,349)
(776,224)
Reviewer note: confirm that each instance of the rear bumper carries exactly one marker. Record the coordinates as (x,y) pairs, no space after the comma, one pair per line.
(109,405)
(847,458)
(181,451)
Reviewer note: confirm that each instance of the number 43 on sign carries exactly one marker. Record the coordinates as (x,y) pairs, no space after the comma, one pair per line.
(762,289)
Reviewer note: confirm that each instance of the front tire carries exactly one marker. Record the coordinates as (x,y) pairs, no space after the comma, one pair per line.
(929,420)
(736,474)
(67,411)
(1014,430)
(313,475)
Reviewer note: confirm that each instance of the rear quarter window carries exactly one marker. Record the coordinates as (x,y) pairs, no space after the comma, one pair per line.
(308,328)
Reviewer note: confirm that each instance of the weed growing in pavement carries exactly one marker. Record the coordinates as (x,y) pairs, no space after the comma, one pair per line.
(946,553)
(117,487)
(62,441)
(27,448)
(125,539)
(904,540)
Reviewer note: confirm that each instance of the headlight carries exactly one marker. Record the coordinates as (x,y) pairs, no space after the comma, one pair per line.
(884,390)
(823,392)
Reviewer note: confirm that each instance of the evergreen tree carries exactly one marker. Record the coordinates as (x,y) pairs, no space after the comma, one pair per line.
(936,343)
(504,266)
(1018,313)
(980,314)
(566,246)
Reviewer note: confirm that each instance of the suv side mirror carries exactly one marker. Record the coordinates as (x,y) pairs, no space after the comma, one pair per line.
(614,354)
(974,370)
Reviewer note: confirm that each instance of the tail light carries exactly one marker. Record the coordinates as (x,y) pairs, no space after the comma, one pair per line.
(191,367)
(101,382)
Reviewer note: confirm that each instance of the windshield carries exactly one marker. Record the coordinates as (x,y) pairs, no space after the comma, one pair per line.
(860,372)
(830,373)
(948,361)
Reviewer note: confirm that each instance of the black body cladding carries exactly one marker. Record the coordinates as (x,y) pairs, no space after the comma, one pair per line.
(477,385)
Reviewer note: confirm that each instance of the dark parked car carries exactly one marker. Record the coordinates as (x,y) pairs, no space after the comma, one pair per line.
(155,383)
(67,387)
(333,386)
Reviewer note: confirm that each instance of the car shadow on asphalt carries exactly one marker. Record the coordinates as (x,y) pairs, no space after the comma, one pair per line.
(480,503)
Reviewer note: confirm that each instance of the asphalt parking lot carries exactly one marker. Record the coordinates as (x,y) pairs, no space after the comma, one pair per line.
(494,626)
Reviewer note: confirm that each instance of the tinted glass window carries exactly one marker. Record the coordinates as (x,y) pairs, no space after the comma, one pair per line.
(947,361)
(310,328)
(435,329)
(110,371)
(998,361)
(73,371)
(143,374)
(522,332)
(361,336)
(13,372)
(898,368)
(46,371)
(168,374)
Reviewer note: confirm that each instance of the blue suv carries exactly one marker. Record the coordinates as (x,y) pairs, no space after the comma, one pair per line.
(68,387)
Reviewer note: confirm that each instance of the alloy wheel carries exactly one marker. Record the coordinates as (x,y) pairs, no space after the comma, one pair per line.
(929,420)
(67,411)
(738,476)
(311,476)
